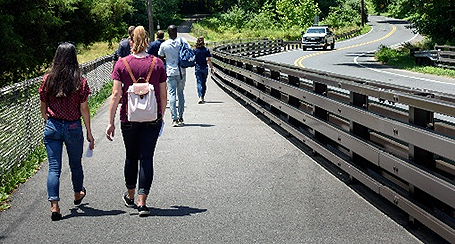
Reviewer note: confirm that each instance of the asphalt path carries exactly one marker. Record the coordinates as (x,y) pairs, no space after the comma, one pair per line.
(355,57)
(225,177)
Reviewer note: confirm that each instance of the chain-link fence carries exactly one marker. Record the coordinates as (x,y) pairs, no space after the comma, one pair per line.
(21,124)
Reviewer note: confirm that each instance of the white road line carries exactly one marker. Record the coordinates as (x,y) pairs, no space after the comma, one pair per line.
(391,73)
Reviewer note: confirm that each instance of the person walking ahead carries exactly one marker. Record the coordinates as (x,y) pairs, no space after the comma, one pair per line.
(203,57)
(139,137)
(176,76)
(155,45)
(63,100)
(124,48)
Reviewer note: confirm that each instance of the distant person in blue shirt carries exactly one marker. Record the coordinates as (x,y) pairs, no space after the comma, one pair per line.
(203,57)
(155,45)
(124,48)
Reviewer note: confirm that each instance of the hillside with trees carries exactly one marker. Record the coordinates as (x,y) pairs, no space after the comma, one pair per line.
(32,31)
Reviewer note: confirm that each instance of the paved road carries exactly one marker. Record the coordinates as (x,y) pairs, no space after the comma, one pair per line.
(355,57)
(184,30)
(225,177)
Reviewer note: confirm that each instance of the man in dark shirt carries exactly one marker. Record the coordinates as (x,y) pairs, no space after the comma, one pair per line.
(155,45)
(124,48)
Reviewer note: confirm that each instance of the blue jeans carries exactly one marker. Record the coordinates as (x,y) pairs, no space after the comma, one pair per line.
(201,80)
(140,141)
(57,132)
(175,87)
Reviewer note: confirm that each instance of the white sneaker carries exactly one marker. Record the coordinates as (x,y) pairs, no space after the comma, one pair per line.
(175,123)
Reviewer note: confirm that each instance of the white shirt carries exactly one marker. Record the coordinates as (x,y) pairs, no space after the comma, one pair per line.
(170,50)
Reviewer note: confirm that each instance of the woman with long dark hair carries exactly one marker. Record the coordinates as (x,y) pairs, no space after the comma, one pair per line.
(63,100)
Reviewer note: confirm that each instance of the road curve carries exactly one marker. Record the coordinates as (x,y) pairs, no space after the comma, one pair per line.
(355,57)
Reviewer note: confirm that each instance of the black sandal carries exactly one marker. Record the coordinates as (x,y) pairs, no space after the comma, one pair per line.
(78,202)
(56,216)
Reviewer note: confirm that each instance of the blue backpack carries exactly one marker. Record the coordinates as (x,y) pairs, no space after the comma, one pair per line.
(187,58)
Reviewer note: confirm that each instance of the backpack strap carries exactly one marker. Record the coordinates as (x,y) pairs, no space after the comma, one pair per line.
(180,48)
(151,69)
(131,72)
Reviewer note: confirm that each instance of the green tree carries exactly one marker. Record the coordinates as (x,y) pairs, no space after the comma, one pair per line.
(109,14)
(435,19)
(296,12)
(325,5)
(32,31)
(28,38)
(265,19)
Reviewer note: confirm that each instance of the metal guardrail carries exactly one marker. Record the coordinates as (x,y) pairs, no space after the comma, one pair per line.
(385,136)
(348,34)
(442,56)
(21,125)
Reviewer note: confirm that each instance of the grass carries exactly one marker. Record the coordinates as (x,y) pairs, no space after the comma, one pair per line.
(94,51)
(11,180)
(401,59)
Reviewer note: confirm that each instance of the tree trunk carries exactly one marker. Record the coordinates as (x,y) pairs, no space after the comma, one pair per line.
(150,18)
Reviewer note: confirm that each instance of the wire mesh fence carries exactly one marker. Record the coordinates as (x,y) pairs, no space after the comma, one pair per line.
(21,124)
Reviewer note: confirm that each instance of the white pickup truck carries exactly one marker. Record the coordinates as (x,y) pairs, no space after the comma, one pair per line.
(318,36)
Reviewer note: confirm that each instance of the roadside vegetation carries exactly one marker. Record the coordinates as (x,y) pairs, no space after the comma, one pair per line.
(401,59)
(282,19)
(94,51)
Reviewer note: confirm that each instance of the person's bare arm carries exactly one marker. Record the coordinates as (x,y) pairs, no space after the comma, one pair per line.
(43,110)
(163,97)
(85,111)
(115,100)
(209,61)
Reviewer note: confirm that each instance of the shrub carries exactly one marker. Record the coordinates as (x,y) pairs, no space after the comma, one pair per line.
(385,54)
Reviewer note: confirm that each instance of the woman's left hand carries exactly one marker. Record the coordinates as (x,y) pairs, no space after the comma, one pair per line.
(91,140)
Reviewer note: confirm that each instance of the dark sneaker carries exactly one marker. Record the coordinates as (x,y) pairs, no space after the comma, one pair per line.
(128,202)
(143,211)
(181,122)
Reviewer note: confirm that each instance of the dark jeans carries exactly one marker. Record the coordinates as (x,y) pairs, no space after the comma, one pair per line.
(140,141)
(201,79)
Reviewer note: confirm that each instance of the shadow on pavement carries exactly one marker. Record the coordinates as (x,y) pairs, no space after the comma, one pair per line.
(198,125)
(176,211)
(92,212)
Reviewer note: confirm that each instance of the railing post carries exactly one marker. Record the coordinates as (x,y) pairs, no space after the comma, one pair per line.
(320,112)
(420,156)
(361,101)
(275,75)
(294,81)
(424,119)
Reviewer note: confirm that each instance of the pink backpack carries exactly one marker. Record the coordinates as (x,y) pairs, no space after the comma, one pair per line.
(142,104)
